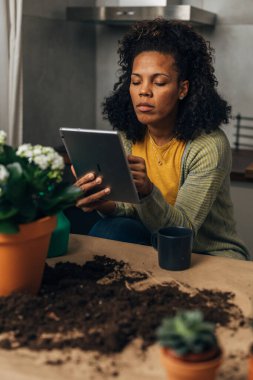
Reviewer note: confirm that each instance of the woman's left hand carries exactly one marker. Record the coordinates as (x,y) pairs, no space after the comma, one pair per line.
(138,168)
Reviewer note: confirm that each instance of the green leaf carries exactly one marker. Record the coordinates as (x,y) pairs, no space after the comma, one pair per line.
(37,178)
(8,227)
(27,212)
(187,332)
(15,170)
(7,210)
(7,155)
(60,199)
(16,187)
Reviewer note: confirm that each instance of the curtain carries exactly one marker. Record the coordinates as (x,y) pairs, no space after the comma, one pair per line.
(11,91)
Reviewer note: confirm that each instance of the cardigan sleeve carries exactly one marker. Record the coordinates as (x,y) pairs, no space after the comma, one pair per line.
(206,166)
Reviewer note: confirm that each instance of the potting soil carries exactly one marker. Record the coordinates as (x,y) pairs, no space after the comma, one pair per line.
(97,307)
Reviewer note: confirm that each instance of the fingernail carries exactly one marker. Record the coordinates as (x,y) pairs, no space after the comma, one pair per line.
(107,190)
(98,180)
(91,176)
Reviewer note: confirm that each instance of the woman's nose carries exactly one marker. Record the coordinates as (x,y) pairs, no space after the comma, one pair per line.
(145,90)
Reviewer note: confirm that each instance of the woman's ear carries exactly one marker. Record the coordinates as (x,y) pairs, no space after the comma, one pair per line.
(183,89)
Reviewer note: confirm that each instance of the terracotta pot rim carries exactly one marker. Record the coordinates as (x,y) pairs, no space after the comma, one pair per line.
(40,220)
(40,227)
(213,353)
(178,362)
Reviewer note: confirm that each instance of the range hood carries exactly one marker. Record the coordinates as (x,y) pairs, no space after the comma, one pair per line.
(129,14)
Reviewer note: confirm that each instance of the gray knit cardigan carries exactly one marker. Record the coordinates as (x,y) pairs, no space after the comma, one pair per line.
(203,202)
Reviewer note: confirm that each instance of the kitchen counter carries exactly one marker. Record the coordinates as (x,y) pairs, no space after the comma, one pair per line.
(242,165)
(205,272)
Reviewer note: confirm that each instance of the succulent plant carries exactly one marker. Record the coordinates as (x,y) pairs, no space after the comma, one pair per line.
(187,333)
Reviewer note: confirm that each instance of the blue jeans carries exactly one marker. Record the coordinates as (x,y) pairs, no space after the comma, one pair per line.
(122,229)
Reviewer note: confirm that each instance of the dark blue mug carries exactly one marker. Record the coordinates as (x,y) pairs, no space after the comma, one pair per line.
(174,246)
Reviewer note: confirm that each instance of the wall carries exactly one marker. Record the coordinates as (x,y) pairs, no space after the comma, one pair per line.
(233,51)
(59,71)
(242,196)
(3,70)
(106,73)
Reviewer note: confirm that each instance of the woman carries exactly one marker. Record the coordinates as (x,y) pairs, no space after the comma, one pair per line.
(167,107)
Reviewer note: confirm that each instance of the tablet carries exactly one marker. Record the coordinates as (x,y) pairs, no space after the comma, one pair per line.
(102,152)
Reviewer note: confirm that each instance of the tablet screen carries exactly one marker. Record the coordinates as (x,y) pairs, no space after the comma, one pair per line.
(101,152)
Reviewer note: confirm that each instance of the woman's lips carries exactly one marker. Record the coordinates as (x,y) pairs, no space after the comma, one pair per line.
(144,107)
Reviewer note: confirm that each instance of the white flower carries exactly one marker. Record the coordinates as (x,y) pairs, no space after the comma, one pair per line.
(4,174)
(57,162)
(25,150)
(3,137)
(42,161)
(45,157)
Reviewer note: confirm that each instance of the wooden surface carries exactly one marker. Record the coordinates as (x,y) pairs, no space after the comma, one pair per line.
(205,272)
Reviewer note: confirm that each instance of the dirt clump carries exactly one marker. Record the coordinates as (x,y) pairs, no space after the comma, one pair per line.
(95,307)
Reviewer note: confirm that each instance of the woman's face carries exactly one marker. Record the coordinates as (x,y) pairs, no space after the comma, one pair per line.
(155,90)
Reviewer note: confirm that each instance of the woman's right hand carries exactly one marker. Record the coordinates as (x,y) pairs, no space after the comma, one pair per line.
(93,201)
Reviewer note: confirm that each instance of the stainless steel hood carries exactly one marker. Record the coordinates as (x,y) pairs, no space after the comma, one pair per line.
(126,15)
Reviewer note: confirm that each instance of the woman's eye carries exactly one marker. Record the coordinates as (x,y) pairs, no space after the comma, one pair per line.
(135,83)
(160,84)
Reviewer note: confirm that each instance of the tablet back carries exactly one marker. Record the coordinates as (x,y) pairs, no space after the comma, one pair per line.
(102,152)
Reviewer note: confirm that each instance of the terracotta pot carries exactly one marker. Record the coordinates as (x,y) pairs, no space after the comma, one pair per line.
(250,376)
(23,255)
(179,369)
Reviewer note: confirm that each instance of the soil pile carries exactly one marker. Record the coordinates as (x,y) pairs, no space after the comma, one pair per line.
(95,307)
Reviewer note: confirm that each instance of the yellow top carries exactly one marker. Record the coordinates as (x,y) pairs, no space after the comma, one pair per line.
(163,164)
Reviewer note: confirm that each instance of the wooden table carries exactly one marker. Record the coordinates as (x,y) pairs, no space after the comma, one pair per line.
(205,272)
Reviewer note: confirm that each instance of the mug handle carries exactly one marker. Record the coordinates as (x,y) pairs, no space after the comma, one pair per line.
(154,240)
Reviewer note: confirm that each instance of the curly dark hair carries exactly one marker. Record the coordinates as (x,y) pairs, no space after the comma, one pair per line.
(201,110)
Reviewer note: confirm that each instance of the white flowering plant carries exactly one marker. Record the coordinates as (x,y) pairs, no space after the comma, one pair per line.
(31,184)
